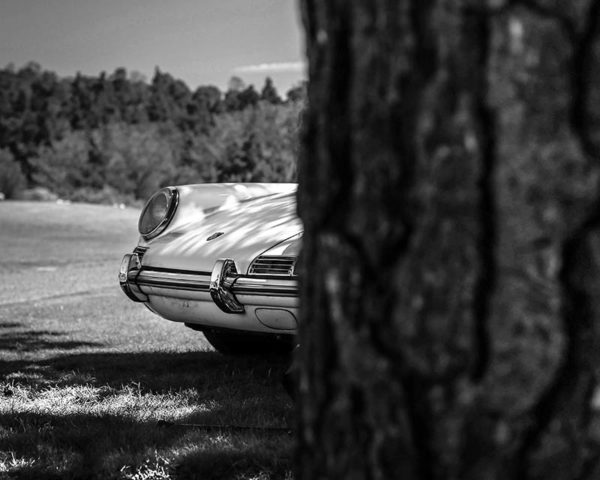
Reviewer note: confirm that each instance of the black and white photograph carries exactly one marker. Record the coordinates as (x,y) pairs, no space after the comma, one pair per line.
(299,239)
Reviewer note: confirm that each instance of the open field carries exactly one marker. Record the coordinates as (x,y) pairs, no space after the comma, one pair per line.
(88,379)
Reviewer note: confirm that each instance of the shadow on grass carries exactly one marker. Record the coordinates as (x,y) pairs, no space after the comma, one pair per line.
(9,325)
(35,340)
(16,337)
(151,371)
(96,414)
(89,446)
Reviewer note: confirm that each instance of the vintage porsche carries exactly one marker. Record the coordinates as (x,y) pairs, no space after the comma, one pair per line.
(220,258)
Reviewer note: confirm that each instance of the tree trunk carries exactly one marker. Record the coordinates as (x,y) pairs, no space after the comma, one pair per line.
(451,263)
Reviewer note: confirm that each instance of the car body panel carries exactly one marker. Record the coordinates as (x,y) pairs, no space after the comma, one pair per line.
(248,229)
(196,201)
(190,311)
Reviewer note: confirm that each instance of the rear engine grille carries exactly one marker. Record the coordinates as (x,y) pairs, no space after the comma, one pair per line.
(273,265)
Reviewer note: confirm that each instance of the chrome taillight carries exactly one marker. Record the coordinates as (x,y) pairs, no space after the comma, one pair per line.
(158,212)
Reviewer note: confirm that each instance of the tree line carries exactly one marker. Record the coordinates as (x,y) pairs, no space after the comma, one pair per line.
(117,138)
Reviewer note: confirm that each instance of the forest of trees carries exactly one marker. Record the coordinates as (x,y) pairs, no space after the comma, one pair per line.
(117,138)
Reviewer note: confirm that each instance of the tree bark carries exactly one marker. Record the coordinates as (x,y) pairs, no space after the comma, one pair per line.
(451,260)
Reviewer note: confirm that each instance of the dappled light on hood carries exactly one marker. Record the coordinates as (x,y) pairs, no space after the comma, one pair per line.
(249,228)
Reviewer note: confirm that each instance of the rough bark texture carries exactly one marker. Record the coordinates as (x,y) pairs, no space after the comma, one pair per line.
(451,263)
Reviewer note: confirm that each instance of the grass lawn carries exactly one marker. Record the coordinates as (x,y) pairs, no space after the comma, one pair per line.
(94,386)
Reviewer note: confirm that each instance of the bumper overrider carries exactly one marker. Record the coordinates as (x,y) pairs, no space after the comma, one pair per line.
(223,284)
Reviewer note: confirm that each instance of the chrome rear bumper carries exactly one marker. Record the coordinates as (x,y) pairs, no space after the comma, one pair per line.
(223,284)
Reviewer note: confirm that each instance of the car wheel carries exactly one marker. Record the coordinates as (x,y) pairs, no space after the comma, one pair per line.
(233,343)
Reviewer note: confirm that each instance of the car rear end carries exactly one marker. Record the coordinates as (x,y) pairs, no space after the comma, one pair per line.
(227,270)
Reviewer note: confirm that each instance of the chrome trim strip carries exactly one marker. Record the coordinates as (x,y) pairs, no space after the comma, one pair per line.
(223,284)
(240,285)
(174,280)
(280,287)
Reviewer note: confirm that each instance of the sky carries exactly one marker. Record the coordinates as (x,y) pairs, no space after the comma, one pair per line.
(202,42)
